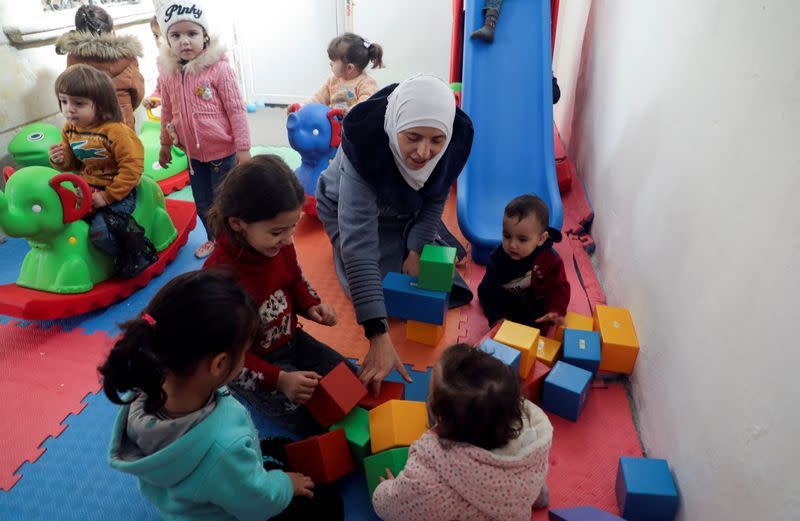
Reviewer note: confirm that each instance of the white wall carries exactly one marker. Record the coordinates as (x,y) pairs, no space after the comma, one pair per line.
(685,131)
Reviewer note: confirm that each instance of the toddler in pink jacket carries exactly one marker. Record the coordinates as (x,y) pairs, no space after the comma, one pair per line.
(200,103)
(487,456)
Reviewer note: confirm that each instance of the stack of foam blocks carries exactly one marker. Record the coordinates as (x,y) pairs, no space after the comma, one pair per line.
(557,372)
(363,430)
(329,456)
(422,302)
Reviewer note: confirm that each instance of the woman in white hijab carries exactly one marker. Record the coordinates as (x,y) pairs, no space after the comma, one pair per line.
(381,199)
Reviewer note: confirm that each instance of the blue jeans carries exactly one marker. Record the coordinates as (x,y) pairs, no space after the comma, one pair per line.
(205,179)
(98,231)
(493,4)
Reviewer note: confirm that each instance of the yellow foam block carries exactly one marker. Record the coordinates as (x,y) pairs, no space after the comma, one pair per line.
(619,343)
(523,339)
(574,321)
(397,423)
(547,350)
(424,333)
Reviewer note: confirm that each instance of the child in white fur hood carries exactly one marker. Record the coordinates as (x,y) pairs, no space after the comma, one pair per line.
(487,456)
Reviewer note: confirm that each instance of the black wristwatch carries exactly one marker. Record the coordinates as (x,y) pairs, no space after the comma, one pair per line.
(375,326)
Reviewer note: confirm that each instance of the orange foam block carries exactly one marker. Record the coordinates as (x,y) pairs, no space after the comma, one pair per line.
(618,340)
(548,351)
(397,423)
(523,339)
(574,321)
(424,333)
(335,395)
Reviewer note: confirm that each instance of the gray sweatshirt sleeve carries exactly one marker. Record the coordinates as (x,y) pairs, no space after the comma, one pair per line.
(358,229)
(426,226)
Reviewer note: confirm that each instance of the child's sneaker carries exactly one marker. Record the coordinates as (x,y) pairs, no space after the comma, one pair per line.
(205,249)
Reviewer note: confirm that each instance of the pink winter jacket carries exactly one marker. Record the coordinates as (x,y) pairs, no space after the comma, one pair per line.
(446,480)
(202,102)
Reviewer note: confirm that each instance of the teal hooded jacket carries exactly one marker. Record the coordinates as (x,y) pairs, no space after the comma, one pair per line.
(213,472)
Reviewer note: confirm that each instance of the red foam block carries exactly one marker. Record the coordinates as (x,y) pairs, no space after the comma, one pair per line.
(335,396)
(323,458)
(533,384)
(389,391)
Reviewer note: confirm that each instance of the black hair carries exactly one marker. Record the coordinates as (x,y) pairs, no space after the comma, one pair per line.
(476,398)
(196,315)
(525,205)
(352,48)
(93,19)
(256,190)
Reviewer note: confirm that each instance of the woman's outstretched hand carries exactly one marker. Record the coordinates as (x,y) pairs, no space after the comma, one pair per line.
(379,362)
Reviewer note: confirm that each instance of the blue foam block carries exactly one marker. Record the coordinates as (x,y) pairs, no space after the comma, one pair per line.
(406,301)
(646,490)
(507,355)
(582,349)
(581,514)
(566,389)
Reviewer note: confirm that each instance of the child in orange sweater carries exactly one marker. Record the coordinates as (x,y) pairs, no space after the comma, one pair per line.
(106,152)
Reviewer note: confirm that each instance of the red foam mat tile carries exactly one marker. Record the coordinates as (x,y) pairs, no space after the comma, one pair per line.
(585,454)
(44,375)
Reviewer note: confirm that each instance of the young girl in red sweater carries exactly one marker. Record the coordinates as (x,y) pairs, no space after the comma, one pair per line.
(253,217)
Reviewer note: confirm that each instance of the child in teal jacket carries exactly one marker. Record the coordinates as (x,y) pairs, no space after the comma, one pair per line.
(193,446)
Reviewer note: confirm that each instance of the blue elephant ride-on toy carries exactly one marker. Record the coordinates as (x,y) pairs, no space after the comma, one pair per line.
(315,131)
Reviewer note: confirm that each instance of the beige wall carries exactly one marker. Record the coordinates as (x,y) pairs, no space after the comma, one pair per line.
(684,130)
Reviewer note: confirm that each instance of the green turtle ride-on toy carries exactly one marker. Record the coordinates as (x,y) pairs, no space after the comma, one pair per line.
(64,274)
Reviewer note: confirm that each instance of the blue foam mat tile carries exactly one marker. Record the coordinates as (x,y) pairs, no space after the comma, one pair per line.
(72,480)
(11,254)
(107,319)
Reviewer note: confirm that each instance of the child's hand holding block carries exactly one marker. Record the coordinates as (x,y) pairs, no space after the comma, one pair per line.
(523,339)
(618,338)
(397,423)
(335,395)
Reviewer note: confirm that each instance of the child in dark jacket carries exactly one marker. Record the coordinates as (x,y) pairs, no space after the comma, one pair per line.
(525,280)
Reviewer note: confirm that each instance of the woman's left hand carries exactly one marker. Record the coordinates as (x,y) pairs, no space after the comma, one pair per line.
(411,264)
(242,156)
(322,314)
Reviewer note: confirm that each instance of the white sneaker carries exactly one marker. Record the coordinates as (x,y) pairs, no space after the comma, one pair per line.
(204,250)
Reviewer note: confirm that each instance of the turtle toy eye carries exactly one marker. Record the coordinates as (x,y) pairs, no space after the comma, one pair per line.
(36,208)
(315,132)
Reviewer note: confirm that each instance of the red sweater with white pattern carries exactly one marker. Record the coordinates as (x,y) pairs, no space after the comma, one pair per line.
(279,289)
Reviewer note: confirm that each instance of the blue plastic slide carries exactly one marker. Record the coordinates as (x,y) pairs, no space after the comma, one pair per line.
(507,91)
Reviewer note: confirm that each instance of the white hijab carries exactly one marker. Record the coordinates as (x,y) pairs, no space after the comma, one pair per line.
(420,101)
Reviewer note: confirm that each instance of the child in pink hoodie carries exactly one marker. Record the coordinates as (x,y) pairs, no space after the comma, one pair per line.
(200,102)
(486,457)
